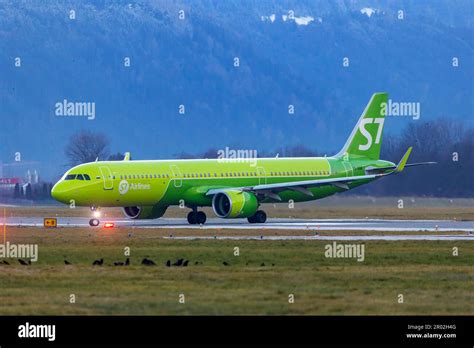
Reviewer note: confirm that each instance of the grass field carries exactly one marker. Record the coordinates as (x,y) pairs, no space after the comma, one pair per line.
(431,279)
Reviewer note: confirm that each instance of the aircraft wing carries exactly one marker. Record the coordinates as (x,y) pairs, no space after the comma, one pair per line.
(270,190)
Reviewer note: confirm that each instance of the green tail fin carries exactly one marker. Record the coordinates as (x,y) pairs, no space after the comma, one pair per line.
(366,137)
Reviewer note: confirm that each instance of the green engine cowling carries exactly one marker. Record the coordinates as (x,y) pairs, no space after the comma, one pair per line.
(234,204)
(146,212)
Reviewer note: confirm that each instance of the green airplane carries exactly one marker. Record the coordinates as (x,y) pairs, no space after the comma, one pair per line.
(233,187)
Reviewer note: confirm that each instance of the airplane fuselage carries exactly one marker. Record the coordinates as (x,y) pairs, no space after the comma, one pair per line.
(175,182)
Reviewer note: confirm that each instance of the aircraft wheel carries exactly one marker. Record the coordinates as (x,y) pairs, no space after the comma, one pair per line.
(94,222)
(260,217)
(192,217)
(201,217)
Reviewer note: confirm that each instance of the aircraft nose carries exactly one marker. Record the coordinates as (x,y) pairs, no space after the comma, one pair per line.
(57,193)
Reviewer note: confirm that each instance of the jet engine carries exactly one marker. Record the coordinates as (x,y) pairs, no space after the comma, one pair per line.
(234,204)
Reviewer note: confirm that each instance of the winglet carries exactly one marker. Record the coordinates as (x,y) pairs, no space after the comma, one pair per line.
(403,161)
(127,156)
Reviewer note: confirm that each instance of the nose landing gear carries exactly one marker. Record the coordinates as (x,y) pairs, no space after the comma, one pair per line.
(95,220)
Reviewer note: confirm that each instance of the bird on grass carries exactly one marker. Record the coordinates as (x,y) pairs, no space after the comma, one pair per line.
(179,262)
(147,262)
(185,263)
(99,262)
(262,265)
(127,262)
(168,263)
(66,262)
(24,263)
(225,263)
(5,262)
(118,263)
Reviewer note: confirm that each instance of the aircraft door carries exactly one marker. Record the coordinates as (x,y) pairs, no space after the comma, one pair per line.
(107,177)
(178,182)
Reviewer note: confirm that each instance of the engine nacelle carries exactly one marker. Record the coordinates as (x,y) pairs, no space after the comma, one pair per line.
(147,212)
(234,204)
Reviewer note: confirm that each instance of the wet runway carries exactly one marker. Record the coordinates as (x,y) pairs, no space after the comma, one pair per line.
(272,223)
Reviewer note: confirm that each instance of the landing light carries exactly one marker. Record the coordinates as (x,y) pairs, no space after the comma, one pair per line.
(97,214)
(109,225)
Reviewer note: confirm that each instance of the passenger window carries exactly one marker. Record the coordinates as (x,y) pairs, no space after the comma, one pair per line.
(70,177)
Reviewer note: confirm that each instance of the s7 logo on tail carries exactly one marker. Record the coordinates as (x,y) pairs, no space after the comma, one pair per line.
(366,133)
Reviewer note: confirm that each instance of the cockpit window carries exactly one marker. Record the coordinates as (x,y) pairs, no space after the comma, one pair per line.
(78,177)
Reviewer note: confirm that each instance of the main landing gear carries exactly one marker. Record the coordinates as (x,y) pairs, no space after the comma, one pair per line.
(197,217)
(94,221)
(258,218)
